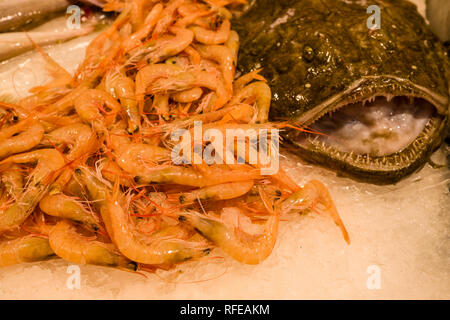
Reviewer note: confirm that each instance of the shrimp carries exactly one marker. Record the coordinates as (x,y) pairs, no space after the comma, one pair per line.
(154,250)
(224,191)
(170,46)
(69,245)
(138,155)
(314,195)
(233,44)
(27,138)
(49,161)
(167,16)
(74,188)
(161,105)
(98,192)
(150,22)
(62,206)
(78,137)
(206,36)
(194,178)
(244,113)
(261,91)
(243,247)
(224,57)
(194,56)
(81,142)
(188,96)
(163,77)
(88,105)
(12,179)
(124,89)
(25,249)
(111,171)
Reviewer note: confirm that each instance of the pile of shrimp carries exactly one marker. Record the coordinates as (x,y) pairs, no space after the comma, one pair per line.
(85,160)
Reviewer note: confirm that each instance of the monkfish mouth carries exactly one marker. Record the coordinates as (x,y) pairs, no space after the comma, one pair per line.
(381,138)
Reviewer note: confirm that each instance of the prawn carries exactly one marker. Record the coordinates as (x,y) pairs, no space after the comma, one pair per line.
(261,91)
(151,250)
(315,195)
(195,178)
(169,46)
(161,105)
(62,206)
(218,36)
(124,88)
(25,249)
(163,77)
(243,247)
(88,105)
(81,142)
(49,161)
(188,96)
(20,138)
(71,246)
(152,18)
(137,155)
(224,191)
(12,179)
(233,44)
(224,57)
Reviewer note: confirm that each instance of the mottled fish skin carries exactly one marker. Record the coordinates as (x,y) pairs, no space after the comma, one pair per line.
(319,55)
(14,14)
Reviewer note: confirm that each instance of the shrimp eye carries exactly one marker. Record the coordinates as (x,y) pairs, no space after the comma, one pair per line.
(182,218)
(278,193)
(134,266)
(308,53)
(207,251)
(136,179)
(78,171)
(182,199)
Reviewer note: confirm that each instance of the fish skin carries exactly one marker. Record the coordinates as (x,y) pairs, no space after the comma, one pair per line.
(15,43)
(15,14)
(318,54)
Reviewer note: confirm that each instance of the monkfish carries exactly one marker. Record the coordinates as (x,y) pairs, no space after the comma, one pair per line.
(370,101)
